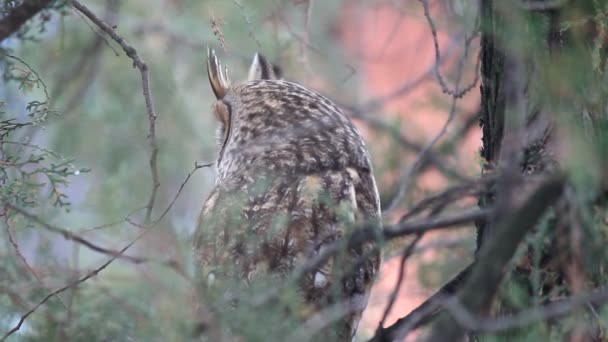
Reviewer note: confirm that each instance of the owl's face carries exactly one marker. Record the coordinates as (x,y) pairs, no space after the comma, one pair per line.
(270,125)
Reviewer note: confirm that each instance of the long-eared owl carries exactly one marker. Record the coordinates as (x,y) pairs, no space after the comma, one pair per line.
(294,177)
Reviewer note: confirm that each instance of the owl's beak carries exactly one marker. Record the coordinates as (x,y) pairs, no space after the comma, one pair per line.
(218,77)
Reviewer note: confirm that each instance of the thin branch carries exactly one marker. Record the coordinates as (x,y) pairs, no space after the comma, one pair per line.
(181,188)
(302,40)
(430,308)
(90,59)
(478,291)
(450,195)
(369,233)
(407,252)
(552,310)
(390,232)
(471,322)
(143,69)
(73,237)
(409,174)
(170,263)
(469,123)
(110,224)
(424,312)
(457,93)
(13,21)
(20,256)
(101,226)
(324,318)
(66,287)
(432,157)
(403,90)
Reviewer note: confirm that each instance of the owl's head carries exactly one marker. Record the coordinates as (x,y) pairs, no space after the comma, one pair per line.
(270,124)
(227,103)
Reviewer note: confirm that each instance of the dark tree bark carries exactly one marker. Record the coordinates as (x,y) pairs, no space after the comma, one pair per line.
(532,59)
(13,21)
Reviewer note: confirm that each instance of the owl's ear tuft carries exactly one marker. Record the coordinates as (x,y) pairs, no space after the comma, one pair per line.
(218,76)
(262,69)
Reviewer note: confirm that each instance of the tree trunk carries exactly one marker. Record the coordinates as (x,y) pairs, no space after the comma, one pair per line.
(544,120)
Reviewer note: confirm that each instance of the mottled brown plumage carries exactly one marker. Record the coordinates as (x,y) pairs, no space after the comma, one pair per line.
(294,176)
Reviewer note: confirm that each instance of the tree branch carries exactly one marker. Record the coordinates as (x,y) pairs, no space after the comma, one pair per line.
(390,232)
(181,188)
(425,312)
(66,287)
(478,291)
(143,69)
(551,310)
(68,235)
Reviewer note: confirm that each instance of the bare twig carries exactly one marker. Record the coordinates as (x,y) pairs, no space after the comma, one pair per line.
(554,309)
(304,41)
(450,195)
(433,159)
(169,263)
(324,318)
(479,289)
(469,123)
(443,244)
(66,287)
(424,312)
(101,226)
(390,232)
(501,246)
(90,59)
(400,278)
(110,224)
(29,268)
(98,34)
(143,69)
(181,188)
(73,237)
(409,174)
(403,90)
(472,322)
(457,93)
(369,233)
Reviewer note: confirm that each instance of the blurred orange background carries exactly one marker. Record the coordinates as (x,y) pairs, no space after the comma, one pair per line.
(395,46)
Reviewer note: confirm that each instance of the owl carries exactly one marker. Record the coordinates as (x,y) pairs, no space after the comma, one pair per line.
(293,177)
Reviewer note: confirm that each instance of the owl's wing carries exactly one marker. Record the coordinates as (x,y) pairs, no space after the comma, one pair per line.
(211,218)
(331,205)
(269,226)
